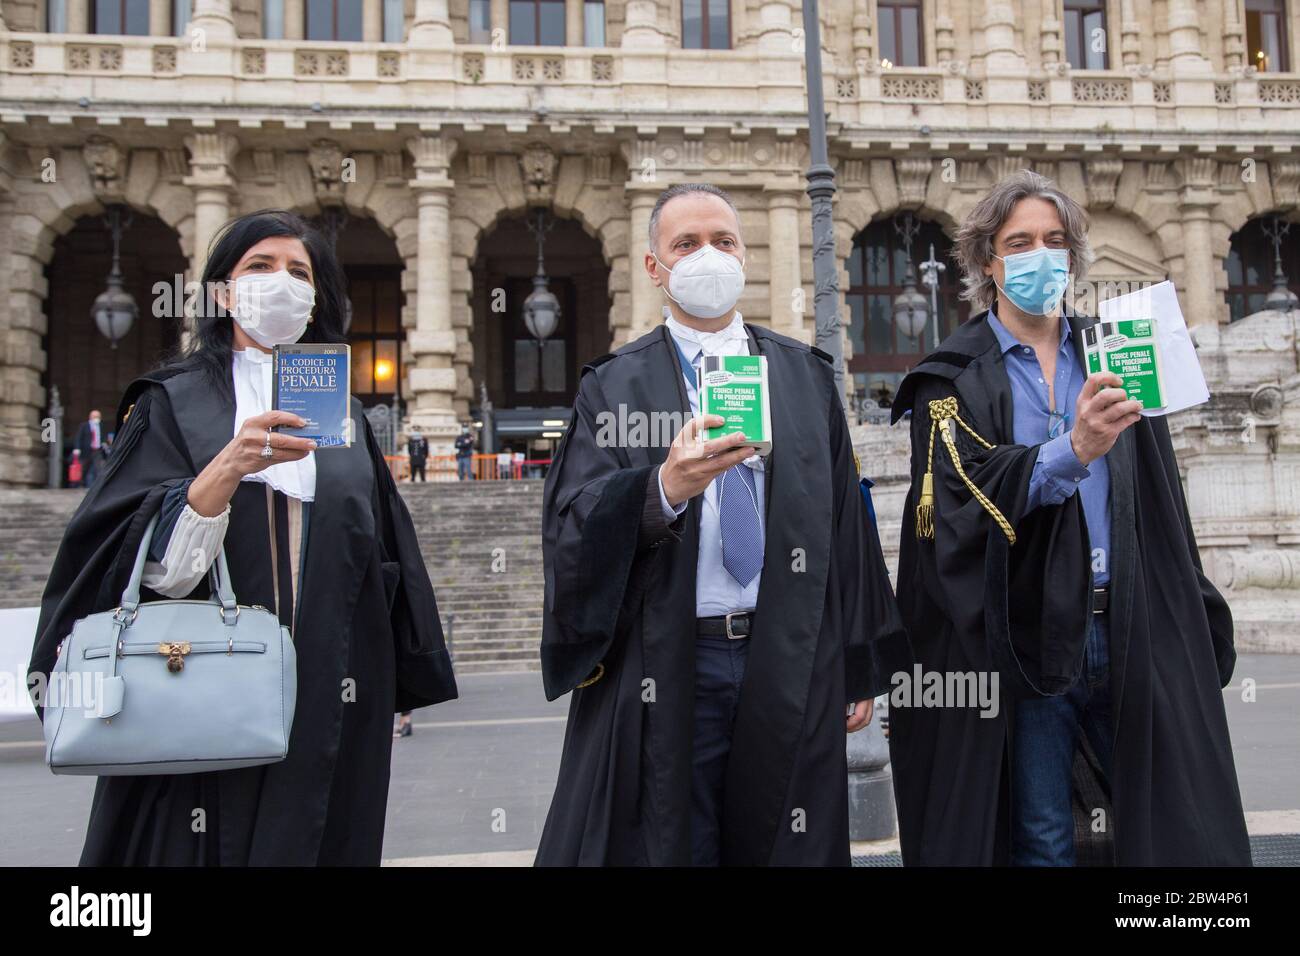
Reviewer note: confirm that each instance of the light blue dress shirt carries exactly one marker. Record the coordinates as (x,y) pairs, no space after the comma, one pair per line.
(716,591)
(1058,473)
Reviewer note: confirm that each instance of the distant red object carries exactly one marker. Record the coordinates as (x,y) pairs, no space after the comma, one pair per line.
(74,471)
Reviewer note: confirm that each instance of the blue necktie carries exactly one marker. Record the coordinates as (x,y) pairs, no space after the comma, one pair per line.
(742,530)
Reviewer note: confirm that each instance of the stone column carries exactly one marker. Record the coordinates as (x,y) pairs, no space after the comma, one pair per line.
(212,157)
(784,255)
(1196,200)
(573,32)
(1185,54)
(215,19)
(433,341)
(432,24)
(647,301)
(642,28)
(160,18)
(499,18)
(372,21)
(1002,56)
(78,16)
(295,20)
(23,286)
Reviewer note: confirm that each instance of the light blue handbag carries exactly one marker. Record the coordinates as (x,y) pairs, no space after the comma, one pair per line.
(171,686)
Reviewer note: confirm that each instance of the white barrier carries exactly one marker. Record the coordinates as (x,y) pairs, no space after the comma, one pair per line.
(17,634)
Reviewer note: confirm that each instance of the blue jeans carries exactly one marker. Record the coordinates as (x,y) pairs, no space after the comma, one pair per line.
(464,469)
(1046,733)
(719,671)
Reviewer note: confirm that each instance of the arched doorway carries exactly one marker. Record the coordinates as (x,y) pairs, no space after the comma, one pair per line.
(1251,264)
(374,272)
(877,267)
(88,372)
(531,385)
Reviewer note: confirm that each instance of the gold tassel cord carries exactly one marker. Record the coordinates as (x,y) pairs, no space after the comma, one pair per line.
(941,412)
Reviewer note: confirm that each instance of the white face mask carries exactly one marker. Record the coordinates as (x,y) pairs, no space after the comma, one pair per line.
(707,283)
(273,307)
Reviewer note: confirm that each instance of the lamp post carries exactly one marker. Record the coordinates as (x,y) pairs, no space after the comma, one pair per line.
(1280,298)
(114,310)
(541,308)
(821,189)
(910,311)
(931,269)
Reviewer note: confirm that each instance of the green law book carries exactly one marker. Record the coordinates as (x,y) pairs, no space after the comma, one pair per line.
(1128,348)
(735,388)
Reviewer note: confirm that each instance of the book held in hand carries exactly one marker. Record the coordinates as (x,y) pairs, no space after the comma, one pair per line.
(735,388)
(1129,348)
(311,381)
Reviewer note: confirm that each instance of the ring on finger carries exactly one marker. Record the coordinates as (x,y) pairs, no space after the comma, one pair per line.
(266,449)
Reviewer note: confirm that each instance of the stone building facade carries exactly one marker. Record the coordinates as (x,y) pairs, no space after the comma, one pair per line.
(430,137)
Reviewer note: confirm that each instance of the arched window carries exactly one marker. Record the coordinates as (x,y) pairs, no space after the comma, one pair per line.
(877,268)
(1251,264)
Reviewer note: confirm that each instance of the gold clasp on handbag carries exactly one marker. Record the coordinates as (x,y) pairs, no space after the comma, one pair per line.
(175,653)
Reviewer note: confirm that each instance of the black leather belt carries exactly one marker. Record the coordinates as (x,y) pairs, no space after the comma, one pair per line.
(735,625)
(1100,600)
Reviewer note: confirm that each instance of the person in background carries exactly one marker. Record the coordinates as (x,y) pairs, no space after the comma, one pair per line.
(88,447)
(504,457)
(465,454)
(404,725)
(417,447)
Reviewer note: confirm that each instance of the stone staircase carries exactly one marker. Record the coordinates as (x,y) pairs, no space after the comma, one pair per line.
(481,543)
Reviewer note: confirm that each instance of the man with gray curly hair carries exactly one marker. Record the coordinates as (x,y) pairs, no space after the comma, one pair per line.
(1046,544)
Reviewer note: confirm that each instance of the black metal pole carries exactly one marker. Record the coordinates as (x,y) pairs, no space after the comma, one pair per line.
(821,189)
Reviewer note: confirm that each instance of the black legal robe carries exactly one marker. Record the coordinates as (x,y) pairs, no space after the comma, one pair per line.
(972,601)
(827,630)
(367,613)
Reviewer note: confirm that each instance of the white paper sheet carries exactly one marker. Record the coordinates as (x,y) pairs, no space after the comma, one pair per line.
(1180,369)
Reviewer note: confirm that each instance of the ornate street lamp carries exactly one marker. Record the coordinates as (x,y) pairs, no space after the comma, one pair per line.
(541,308)
(931,269)
(115,310)
(910,310)
(1280,298)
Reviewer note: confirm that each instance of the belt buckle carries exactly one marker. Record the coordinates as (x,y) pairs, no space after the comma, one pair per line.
(727,621)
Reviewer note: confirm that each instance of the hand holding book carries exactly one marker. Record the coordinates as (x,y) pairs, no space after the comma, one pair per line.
(1101,413)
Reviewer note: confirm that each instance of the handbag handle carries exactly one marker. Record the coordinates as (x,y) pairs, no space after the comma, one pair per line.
(218,579)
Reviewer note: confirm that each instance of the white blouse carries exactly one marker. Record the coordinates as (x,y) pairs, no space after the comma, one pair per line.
(196,539)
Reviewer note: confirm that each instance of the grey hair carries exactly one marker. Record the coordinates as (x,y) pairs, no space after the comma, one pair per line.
(974,246)
(684,189)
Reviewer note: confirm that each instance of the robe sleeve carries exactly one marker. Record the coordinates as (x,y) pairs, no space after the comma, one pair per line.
(600,517)
(969,570)
(875,641)
(424,671)
(1217,610)
(93,563)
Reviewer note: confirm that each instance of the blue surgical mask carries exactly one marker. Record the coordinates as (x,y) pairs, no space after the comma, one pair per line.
(1035,281)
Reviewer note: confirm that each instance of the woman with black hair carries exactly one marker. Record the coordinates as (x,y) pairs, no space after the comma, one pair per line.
(324,540)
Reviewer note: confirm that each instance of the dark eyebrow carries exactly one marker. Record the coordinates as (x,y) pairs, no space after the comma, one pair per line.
(268,256)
